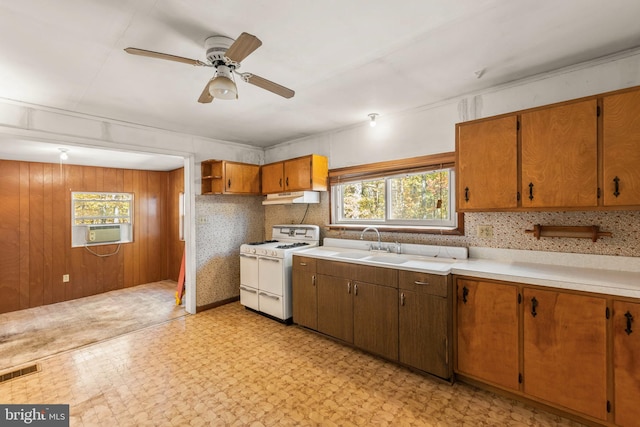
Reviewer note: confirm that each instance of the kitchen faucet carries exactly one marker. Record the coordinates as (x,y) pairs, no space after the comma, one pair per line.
(377,232)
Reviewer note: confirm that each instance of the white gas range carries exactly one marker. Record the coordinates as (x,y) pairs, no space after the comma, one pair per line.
(265,269)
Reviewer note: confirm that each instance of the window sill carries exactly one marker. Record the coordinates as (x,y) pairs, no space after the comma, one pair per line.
(445,231)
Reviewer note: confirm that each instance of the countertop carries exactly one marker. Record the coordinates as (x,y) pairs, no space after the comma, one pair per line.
(573,275)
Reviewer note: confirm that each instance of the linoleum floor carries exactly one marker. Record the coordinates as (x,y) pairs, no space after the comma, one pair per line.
(231,367)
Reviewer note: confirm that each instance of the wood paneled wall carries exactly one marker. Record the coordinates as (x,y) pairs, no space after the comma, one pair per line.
(175,247)
(35,233)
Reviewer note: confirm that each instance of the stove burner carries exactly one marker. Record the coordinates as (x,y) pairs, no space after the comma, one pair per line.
(292,245)
(262,243)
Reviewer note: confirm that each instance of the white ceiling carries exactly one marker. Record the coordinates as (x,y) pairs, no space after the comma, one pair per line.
(344,59)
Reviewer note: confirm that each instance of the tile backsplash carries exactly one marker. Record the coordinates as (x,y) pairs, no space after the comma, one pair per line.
(508,229)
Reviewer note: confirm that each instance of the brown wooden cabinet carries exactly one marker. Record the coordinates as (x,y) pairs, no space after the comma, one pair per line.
(626,362)
(487,164)
(223,177)
(304,292)
(487,332)
(335,307)
(357,304)
(621,149)
(375,319)
(424,322)
(559,156)
(299,174)
(580,154)
(565,350)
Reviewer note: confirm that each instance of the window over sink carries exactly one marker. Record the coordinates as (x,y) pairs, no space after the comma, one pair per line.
(411,193)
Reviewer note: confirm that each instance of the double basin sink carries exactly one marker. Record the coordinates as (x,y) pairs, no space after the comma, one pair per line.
(403,261)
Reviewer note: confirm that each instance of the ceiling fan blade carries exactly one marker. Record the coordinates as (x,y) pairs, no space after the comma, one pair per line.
(242,47)
(268,85)
(205,96)
(158,55)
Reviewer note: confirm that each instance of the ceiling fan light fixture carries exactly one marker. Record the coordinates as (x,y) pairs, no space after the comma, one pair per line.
(222,85)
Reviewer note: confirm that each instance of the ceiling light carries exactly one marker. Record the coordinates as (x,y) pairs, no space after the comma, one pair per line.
(63,153)
(222,85)
(373,116)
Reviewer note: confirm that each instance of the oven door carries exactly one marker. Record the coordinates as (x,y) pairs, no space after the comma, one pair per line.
(271,271)
(249,281)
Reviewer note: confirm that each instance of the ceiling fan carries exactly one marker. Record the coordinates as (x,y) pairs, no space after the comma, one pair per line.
(225,55)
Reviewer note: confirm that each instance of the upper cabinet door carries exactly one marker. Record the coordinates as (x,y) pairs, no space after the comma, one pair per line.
(559,156)
(242,178)
(487,164)
(273,178)
(621,149)
(297,174)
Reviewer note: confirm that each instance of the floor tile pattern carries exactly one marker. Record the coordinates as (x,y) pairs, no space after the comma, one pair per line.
(38,332)
(232,367)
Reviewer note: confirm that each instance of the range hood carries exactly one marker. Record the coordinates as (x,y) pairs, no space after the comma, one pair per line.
(292,197)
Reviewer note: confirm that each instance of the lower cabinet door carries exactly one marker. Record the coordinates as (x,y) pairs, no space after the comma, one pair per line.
(487,332)
(423,342)
(335,307)
(305,299)
(565,350)
(375,319)
(626,362)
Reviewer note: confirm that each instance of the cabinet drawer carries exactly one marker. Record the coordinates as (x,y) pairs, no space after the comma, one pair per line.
(335,268)
(432,284)
(303,263)
(376,275)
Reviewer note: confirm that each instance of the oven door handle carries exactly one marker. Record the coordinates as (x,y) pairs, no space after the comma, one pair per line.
(249,256)
(251,291)
(270,296)
(271,259)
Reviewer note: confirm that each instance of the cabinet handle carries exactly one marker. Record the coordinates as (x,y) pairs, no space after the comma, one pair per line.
(534,305)
(446,350)
(418,282)
(466,194)
(229,183)
(465,293)
(531,191)
(348,287)
(355,289)
(251,291)
(616,182)
(280,183)
(629,322)
(304,264)
(402,299)
(286,181)
(313,280)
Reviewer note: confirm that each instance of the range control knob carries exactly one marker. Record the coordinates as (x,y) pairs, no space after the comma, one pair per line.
(253,250)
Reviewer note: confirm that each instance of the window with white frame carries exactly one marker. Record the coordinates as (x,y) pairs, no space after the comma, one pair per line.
(422,198)
(101,218)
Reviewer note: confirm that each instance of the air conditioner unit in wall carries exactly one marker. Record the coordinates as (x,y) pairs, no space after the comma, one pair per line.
(103,233)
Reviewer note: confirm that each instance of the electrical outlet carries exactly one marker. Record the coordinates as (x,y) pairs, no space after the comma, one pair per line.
(65,278)
(203,220)
(485,231)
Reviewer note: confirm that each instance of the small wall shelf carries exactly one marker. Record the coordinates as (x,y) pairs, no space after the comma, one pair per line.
(579,232)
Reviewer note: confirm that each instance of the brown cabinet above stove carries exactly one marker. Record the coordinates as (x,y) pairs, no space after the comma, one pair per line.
(299,174)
